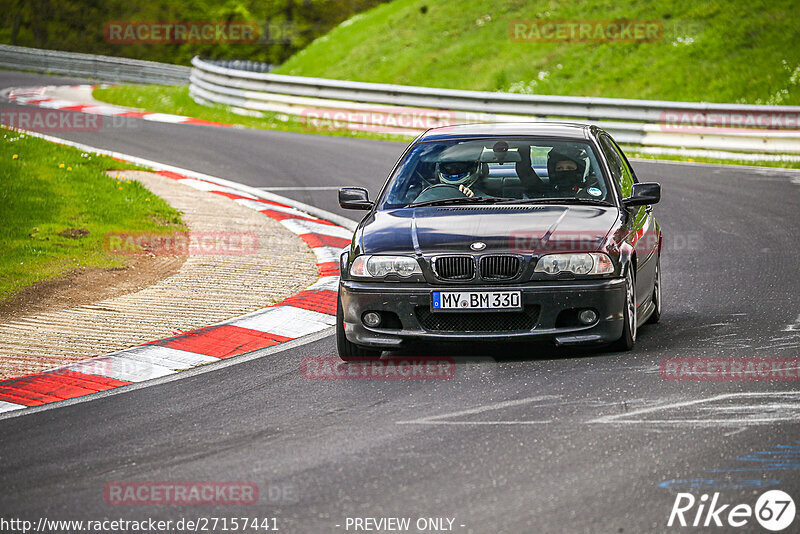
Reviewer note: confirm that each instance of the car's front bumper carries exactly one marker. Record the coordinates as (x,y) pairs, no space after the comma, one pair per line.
(544,303)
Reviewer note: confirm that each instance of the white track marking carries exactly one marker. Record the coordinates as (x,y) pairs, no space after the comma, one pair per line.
(711,422)
(165,117)
(209,186)
(57,104)
(794,327)
(787,415)
(174,359)
(120,367)
(259,206)
(198,184)
(8,406)
(734,432)
(327,254)
(464,423)
(437,419)
(300,227)
(104,110)
(286,321)
(329,283)
(746,408)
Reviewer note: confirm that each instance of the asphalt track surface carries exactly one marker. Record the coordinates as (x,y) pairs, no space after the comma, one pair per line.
(539,440)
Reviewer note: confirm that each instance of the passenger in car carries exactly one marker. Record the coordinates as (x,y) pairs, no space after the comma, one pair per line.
(565,176)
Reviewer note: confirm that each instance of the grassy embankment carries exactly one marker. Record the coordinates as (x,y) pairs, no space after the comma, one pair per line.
(56,206)
(710,52)
(715,51)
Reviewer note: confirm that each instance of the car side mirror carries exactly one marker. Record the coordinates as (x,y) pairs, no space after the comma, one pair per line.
(643,194)
(354,198)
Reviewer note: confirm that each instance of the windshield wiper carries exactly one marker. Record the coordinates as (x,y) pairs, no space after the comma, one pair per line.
(558,200)
(504,200)
(465,200)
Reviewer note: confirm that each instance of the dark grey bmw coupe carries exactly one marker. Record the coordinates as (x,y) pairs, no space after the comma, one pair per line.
(502,232)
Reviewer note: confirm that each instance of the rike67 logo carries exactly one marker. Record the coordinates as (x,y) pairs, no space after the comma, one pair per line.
(774,510)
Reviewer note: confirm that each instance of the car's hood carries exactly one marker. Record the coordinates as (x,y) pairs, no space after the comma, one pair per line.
(500,228)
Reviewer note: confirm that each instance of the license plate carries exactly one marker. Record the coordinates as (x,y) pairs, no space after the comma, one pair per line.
(476,300)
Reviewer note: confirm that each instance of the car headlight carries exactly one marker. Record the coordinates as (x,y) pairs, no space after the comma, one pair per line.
(586,263)
(381,266)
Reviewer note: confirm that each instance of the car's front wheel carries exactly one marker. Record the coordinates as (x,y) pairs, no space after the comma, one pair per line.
(349,351)
(628,338)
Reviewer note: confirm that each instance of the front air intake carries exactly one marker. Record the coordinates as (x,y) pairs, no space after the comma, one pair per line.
(500,267)
(454,267)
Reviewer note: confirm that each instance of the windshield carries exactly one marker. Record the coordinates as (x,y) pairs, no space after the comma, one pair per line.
(497,170)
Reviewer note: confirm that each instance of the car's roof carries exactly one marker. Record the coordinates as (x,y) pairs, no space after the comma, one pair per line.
(567,130)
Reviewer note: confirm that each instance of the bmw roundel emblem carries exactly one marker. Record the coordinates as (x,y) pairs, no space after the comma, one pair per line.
(477,245)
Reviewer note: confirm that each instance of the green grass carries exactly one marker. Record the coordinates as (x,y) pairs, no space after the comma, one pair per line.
(712,51)
(632,153)
(46,189)
(176,100)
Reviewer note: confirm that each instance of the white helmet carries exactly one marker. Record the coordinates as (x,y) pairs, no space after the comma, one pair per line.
(458,172)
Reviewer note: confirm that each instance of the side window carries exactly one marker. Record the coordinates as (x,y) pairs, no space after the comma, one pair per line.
(619,168)
(613,160)
(628,178)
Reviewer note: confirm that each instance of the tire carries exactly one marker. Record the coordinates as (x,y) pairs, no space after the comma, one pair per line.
(350,351)
(628,338)
(656,315)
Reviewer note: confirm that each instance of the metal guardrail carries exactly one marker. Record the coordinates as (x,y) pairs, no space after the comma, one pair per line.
(241,64)
(105,68)
(248,87)
(359,105)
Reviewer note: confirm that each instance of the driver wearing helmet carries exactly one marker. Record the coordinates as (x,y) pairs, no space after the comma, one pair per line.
(565,174)
(461,174)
